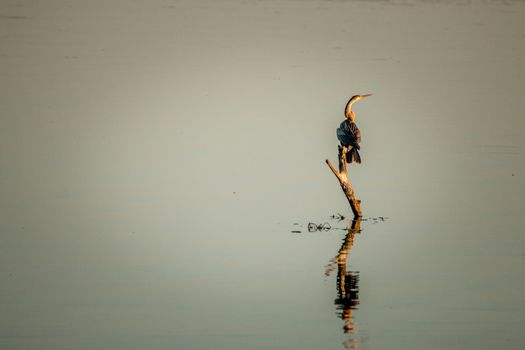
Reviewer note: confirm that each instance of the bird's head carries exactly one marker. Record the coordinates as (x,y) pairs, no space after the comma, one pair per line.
(349,114)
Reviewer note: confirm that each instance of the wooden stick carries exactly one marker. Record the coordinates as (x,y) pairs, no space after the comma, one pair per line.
(344,181)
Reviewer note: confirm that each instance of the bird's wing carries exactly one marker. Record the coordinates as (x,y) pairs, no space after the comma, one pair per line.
(353,100)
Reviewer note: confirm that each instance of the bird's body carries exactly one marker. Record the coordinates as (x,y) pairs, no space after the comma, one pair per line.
(349,135)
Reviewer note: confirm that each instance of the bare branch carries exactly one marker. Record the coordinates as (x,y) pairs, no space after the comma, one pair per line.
(344,181)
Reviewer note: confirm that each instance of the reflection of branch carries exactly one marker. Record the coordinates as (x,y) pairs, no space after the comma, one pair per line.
(341,256)
(347,287)
(342,176)
(347,282)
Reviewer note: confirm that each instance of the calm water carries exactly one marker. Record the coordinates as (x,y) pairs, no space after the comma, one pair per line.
(155,157)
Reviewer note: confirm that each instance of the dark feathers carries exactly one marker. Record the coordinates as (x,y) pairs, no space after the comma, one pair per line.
(352,156)
(349,135)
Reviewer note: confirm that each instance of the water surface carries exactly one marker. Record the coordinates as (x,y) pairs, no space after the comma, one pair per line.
(156,155)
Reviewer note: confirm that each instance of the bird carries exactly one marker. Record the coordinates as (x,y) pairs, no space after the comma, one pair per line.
(348,133)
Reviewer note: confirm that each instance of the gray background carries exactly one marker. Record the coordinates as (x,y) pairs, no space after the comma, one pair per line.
(154,156)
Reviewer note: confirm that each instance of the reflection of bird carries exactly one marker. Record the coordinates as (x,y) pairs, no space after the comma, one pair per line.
(348,133)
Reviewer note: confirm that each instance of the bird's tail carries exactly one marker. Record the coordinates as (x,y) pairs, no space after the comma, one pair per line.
(353,156)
